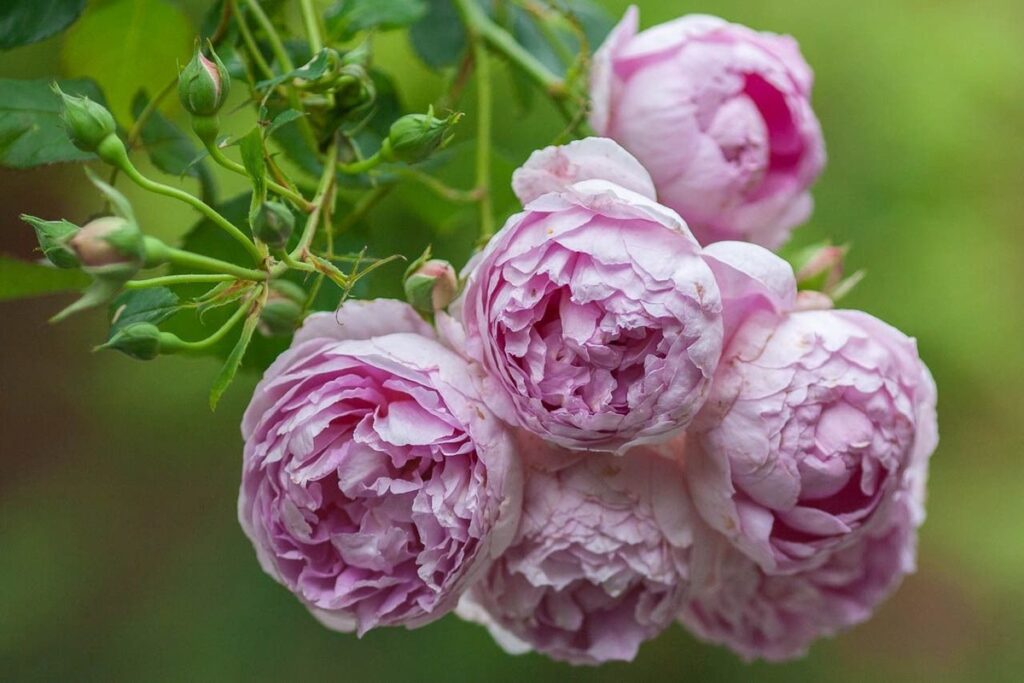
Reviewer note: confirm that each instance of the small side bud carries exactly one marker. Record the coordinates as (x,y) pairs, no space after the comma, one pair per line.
(414,137)
(204,83)
(53,239)
(87,123)
(355,90)
(273,223)
(820,268)
(432,286)
(109,245)
(138,340)
(283,311)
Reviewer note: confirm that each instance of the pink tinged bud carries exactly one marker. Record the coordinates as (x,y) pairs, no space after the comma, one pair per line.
(432,286)
(92,243)
(213,74)
(720,116)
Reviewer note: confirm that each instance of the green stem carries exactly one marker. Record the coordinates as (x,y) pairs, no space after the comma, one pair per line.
(438,187)
(483,138)
(167,280)
(479,24)
(322,192)
(250,42)
(362,165)
(170,343)
(187,259)
(217,154)
(159,188)
(276,46)
(309,18)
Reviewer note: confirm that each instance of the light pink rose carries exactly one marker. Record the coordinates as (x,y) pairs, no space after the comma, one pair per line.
(760,616)
(812,427)
(595,321)
(600,563)
(376,486)
(720,116)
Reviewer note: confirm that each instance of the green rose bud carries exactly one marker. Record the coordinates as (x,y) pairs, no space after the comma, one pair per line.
(355,90)
(88,123)
(138,340)
(273,223)
(431,286)
(415,137)
(204,83)
(53,239)
(283,311)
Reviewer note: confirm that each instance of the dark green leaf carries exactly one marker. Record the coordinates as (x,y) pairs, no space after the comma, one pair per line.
(142,306)
(170,149)
(346,18)
(19,279)
(310,71)
(439,37)
(233,362)
(31,132)
(283,119)
(29,21)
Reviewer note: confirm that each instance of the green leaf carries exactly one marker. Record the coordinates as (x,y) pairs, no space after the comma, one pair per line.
(128,45)
(310,71)
(170,149)
(19,279)
(31,132)
(439,37)
(251,147)
(596,21)
(283,119)
(142,306)
(345,18)
(234,361)
(28,21)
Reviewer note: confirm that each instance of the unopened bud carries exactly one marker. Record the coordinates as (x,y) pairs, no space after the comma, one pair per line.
(432,286)
(283,311)
(87,123)
(53,239)
(414,137)
(204,83)
(110,245)
(138,340)
(355,89)
(820,267)
(273,223)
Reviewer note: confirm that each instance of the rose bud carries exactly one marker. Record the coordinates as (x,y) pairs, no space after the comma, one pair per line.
(597,323)
(376,486)
(110,245)
(284,308)
(414,137)
(138,340)
(760,616)
(721,117)
(53,239)
(601,560)
(273,223)
(431,286)
(204,83)
(87,123)
(811,429)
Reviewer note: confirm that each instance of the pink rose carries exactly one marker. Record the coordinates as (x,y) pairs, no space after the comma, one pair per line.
(594,318)
(760,616)
(600,563)
(813,425)
(721,117)
(376,486)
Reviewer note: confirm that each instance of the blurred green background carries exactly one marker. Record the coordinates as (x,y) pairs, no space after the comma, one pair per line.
(120,555)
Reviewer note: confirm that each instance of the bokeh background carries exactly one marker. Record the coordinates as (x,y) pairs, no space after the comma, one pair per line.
(120,555)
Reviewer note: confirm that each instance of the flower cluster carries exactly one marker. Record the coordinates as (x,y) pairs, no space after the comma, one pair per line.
(613,428)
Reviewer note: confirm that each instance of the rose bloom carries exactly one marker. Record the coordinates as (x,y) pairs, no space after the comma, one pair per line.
(600,563)
(376,486)
(721,117)
(813,426)
(595,321)
(761,616)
